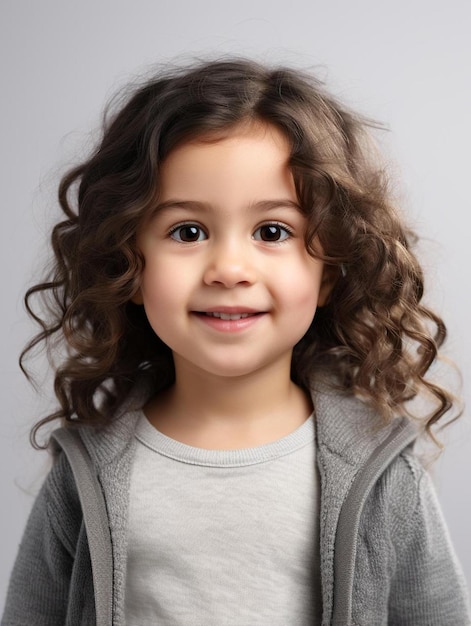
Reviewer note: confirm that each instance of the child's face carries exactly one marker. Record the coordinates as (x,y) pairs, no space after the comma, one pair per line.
(228,284)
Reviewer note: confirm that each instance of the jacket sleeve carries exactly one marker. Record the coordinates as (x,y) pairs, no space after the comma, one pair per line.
(39,583)
(428,587)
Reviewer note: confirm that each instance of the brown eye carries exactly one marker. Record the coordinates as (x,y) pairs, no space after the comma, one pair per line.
(271,233)
(188,233)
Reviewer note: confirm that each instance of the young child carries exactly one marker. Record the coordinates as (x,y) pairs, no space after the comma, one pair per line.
(244,332)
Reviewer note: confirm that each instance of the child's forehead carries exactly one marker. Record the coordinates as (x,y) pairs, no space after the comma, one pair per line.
(249,155)
(247,168)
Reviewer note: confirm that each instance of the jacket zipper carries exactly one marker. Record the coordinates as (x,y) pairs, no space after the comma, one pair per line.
(95,519)
(349,520)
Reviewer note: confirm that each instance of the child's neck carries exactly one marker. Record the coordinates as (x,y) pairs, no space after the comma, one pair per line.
(214,412)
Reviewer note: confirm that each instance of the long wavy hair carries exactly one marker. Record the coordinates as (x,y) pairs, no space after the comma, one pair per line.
(374,336)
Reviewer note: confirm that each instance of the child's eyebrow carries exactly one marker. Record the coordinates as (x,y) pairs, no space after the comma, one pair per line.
(261,205)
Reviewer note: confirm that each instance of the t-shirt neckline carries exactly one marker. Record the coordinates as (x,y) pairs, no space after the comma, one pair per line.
(153,439)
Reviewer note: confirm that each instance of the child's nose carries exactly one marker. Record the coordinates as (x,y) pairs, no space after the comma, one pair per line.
(229,264)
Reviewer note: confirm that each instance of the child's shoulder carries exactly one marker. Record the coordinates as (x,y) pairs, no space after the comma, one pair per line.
(405,479)
(103,445)
(348,428)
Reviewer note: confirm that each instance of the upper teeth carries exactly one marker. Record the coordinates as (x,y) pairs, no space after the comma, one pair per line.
(229,316)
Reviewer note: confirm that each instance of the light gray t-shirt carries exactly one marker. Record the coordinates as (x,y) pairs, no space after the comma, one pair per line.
(223,537)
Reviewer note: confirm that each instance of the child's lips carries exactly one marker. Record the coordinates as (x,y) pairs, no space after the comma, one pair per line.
(229,318)
(217,311)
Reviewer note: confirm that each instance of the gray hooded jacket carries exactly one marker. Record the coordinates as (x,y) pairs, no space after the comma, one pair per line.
(386,558)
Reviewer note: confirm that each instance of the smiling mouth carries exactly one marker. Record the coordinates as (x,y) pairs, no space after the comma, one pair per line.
(234,320)
(229,316)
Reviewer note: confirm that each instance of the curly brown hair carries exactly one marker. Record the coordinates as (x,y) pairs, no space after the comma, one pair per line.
(374,335)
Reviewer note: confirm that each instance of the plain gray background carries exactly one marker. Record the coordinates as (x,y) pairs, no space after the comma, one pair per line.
(405,63)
